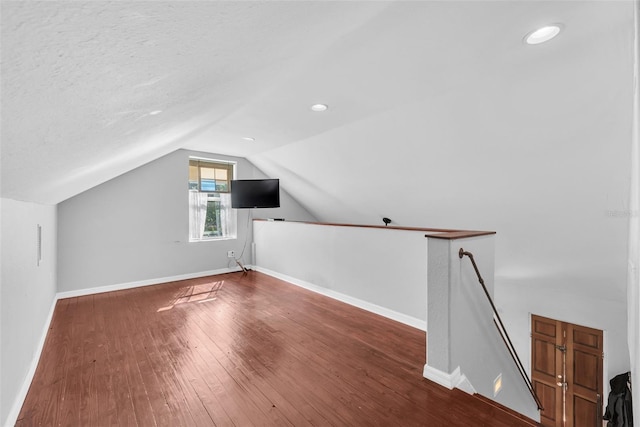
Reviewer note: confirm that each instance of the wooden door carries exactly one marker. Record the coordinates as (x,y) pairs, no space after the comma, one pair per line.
(547,340)
(566,372)
(584,376)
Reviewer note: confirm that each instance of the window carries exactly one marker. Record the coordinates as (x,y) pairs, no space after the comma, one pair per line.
(210,213)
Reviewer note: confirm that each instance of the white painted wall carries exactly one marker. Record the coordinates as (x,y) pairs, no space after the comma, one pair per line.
(517,303)
(135,227)
(633,284)
(502,149)
(464,348)
(26,296)
(382,270)
(477,346)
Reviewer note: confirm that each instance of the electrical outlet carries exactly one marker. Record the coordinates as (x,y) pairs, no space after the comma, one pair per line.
(231,254)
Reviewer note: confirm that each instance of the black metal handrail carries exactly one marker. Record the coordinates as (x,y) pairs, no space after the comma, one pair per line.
(503,331)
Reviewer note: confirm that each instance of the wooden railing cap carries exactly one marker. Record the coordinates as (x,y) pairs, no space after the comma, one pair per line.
(437,233)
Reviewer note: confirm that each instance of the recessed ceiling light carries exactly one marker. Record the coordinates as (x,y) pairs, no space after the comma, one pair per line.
(155,113)
(319,107)
(543,34)
(248,138)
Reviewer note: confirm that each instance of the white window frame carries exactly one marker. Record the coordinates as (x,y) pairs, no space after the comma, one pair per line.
(233,216)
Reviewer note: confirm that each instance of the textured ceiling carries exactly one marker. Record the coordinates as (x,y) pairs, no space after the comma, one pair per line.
(439,115)
(80,79)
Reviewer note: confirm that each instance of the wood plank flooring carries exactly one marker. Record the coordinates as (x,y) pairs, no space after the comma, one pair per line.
(233,350)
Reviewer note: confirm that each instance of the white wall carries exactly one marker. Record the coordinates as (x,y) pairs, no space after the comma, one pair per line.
(27,296)
(464,347)
(502,149)
(517,303)
(382,270)
(134,228)
(385,271)
(633,285)
(477,346)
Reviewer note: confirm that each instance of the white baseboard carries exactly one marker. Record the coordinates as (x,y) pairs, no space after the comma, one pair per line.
(149,282)
(12,417)
(373,308)
(465,385)
(14,412)
(438,376)
(455,379)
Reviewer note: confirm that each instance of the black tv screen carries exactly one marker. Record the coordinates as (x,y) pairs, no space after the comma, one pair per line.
(255,193)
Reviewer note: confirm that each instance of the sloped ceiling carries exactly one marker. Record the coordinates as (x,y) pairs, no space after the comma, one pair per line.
(80,81)
(439,115)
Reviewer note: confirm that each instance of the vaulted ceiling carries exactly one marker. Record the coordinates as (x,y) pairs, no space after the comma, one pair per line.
(439,115)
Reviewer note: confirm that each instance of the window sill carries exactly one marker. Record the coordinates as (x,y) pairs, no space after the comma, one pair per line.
(212,239)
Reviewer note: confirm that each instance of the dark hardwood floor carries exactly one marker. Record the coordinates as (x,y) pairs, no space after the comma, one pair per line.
(232,350)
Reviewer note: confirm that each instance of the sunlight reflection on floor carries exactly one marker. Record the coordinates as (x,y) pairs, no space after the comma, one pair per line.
(198,293)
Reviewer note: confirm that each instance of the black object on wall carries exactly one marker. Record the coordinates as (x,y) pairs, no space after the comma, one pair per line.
(255,193)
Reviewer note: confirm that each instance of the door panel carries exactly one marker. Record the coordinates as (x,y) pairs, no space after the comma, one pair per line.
(585,367)
(566,370)
(586,337)
(548,396)
(584,356)
(546,363)
(547,327)
(585,412)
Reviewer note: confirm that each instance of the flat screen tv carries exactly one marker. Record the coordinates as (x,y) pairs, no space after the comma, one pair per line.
(255,193)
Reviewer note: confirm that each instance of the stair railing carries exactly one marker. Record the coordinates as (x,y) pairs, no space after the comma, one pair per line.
(503,331)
